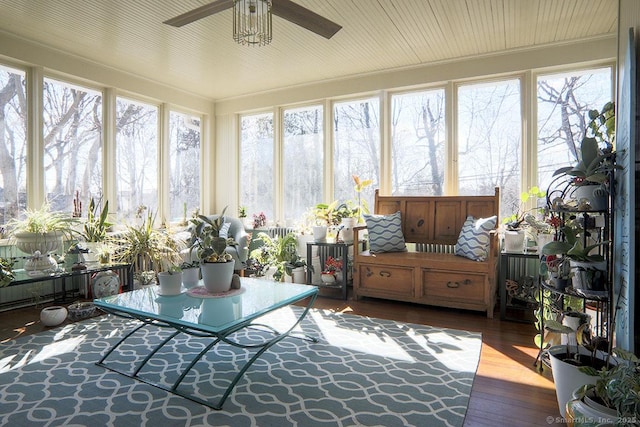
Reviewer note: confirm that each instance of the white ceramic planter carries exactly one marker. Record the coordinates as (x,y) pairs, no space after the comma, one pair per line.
(594,194)
(53,316)
(587,413)
(347,229)
(298,275)
(190,277)
(170,284)
(319,233)
(216,276)
(589,276)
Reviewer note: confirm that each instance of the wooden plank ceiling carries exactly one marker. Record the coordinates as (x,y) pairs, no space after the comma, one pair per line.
(377,35)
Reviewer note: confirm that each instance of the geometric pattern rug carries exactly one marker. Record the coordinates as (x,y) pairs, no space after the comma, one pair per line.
(362,372)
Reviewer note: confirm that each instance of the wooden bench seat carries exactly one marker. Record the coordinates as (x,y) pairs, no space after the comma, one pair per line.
(429,273)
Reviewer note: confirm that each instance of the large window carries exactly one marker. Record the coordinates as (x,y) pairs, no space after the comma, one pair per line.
(184,165)
(136,158)
(489,141)
(13,143)
(418,141)
(256,160)
(72,130)
(356,133)
(302,160)
(564,101)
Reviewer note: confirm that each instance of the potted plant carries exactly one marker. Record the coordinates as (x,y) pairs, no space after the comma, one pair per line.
(94,229)
(242,214)
(146,247)
(614,397)
(596,162)
(276,253)
(332,270)
(216,264)
(519,223)
(297,269)
(6,271)
(170,279)
(40,232)
(190,273)
(588,270)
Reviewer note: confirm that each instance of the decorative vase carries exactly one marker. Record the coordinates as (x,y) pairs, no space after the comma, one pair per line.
(39,245)
(319,233)
(170,283)
(53,316)
(216,276)
(81,310)
(190,277)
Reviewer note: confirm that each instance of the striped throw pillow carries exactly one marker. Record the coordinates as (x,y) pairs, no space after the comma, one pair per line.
(385,233)
(473,241)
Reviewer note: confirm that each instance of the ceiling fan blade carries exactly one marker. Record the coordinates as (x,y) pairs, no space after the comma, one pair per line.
(305,18)
(199,13)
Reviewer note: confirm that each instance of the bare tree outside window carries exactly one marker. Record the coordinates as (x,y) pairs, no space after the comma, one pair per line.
(418,143)
(489,141)
(136,157)
(564,101)
(256,164)
(184,165)
(13,143)
(356,127)
(303,160)
(72,124)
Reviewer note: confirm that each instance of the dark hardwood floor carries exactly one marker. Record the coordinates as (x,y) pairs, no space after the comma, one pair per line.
(507,391)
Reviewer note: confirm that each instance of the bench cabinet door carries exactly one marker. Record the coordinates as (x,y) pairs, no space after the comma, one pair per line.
(454,286)
(386,281)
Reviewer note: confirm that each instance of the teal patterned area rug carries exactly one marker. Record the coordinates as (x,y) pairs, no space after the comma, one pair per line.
(363,372)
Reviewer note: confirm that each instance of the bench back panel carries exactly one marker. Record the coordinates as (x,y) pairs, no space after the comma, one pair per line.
(436,219)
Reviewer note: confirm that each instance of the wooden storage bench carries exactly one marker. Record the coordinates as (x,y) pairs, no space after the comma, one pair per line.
(429,272)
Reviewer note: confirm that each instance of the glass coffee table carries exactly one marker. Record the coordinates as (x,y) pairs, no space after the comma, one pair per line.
(219,317)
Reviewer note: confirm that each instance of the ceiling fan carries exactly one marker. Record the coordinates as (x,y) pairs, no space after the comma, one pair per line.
(286,9)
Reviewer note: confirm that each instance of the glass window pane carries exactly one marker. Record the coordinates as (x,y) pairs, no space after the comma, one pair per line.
(13,144)
(303,160)
(72,122)
(356,127)
(184,165)
(256,160)
(489,141)
(136,158)
(418,143)
(564,101)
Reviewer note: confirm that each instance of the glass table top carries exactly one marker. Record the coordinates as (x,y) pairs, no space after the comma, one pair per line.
(255,298)
(62,270)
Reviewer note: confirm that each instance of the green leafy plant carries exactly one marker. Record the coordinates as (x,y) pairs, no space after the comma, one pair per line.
(6,271)
(515,220)
(96,225)
(146,247)
(572,246)
(617,386)
(206,240)
(278,252)
(596,149)
(42,221)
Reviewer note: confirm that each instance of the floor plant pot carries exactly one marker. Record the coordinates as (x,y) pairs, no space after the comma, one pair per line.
(567,376)
(216,276)
(53,316)
(170,283)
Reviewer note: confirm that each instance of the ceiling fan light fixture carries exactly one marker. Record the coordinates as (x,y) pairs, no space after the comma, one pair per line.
(252,22)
